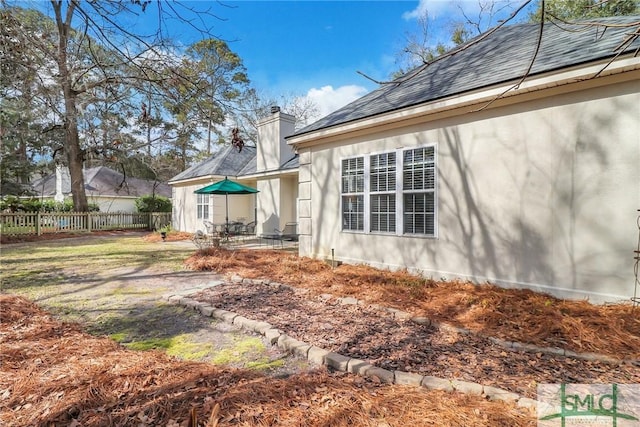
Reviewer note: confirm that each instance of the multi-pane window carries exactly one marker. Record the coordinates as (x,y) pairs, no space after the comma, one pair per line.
(382,192)
(419,185)
(353,194)
(202,206)
(392,192)
(353,213)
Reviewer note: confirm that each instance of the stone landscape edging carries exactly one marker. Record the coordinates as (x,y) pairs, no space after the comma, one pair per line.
(343,363)
(403,315)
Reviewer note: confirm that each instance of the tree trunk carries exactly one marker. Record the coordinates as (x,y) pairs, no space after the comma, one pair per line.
(72,149)
(149,127)
(75,158)
(209,126)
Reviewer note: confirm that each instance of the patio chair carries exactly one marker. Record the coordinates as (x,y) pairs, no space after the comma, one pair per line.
(204,240)
(211,228)
(248,229)
(288,233)
(235,228)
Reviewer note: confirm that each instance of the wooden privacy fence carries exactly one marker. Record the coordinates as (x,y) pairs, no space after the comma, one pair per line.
(39,223)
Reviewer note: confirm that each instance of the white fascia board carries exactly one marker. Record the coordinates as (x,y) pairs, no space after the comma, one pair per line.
(481,99)
(191,181)
(271,174)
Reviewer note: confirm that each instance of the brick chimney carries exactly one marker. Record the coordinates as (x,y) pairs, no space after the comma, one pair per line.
(272,150)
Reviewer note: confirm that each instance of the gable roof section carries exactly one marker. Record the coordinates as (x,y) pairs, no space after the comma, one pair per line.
(102,181)
(292,163)
(226,162)
(503,56)
(250,167)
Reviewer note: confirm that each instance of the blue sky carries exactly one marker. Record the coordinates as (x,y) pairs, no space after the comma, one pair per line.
(315,48)
(310,44)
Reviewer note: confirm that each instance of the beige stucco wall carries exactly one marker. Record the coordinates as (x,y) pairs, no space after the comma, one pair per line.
(276,203)
(541,194)
(273,150)
(184,217)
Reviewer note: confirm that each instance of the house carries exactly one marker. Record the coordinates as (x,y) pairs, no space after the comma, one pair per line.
(461,170)
(271,166)
(107,188)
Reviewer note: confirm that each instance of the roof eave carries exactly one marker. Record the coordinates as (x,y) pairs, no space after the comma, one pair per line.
(271,173)
(196,179)
(470,101)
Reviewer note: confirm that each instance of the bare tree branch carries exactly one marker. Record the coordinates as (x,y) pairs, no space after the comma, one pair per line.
(454,51)
(529,68)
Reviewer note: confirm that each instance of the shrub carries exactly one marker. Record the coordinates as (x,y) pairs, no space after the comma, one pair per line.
(153,204)
(14,204)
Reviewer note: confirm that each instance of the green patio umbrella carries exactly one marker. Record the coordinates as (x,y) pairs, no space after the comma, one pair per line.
(226,187)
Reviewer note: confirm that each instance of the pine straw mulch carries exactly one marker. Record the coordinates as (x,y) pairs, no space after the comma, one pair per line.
(24,238)
(52,373)
(172,236)
(510,314)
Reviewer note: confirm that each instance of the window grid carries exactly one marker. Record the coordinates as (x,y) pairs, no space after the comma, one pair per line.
(382,186)
(419,213)
(353,175)
(202,206)
(353,194)
(353,213)
(383,212)
(391,192)
(418,179)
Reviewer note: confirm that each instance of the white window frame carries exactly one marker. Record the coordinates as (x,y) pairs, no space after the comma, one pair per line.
(350,192)
(428,188)
(203,206)
(387,190)
(399,193)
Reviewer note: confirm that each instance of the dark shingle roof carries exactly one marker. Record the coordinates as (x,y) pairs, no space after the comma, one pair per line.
(226,162)
(503,56)
(102,181)
(229,162)
(250,167)
(293,163)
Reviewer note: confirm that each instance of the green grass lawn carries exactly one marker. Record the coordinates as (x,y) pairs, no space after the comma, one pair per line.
(36,268)
(112,285)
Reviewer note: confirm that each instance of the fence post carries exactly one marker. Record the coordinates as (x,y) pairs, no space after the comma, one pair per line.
(38,232)
(89,221)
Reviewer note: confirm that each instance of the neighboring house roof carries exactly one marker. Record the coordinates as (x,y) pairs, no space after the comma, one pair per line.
(102,181)
(226,162)
(503,56)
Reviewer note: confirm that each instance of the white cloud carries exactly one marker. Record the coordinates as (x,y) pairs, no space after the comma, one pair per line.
(329,99)
(442,8)
(417,12)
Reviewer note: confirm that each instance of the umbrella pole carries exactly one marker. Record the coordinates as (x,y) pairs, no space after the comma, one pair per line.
(226,202)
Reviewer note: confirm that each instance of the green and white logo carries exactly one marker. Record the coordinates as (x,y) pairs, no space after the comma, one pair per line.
(564,405)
